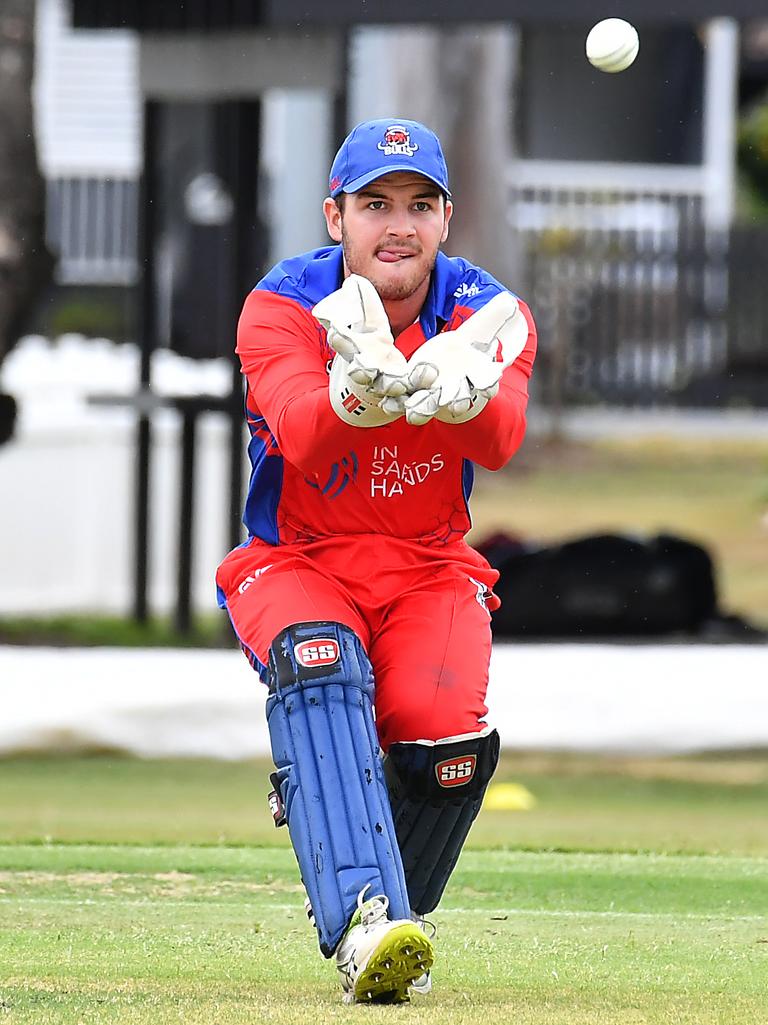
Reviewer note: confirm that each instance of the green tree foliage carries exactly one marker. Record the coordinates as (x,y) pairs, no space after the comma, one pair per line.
(752,155)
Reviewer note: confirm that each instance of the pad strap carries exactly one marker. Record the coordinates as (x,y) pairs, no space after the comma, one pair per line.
(329,774)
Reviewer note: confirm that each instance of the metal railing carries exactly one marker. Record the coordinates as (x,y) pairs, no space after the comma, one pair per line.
(627,279)
(637,295)
(91,228)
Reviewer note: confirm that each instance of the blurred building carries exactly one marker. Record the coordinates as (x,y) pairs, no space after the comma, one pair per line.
(88,125)
(606,200)
(616,191)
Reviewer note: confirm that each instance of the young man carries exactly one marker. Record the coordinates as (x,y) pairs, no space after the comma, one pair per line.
(379,370)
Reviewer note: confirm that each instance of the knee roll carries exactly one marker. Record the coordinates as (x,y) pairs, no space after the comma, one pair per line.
(436,789)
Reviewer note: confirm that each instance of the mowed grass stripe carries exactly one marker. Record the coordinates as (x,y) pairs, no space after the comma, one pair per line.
(236,858)
(584,803)
(485,880)
(495,914)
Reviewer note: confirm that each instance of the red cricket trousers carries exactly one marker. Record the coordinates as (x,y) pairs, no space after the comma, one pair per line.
(421,613)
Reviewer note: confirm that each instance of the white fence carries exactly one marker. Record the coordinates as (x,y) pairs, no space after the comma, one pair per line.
(578,697)
(92,229)
(91,221)
(564,190)
(67,480)
(67,524)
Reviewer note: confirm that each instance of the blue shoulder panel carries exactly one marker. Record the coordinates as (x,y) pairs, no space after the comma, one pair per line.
(266,483)
(310,277)
(307,278)
(456,281)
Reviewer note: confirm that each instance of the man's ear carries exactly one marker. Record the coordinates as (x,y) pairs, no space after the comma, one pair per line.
(332,218)
(448,215)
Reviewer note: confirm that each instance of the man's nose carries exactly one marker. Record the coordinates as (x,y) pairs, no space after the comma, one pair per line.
(400,222)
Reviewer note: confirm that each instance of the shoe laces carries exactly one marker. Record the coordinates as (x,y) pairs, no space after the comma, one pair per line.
(374,909)
(427,927)
(310,913)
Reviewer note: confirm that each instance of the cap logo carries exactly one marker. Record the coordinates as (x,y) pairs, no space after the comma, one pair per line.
(397,142)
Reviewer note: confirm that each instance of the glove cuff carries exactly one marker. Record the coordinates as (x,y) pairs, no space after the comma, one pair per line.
(350,401)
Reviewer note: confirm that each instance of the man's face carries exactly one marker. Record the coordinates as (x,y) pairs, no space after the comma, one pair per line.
(391,231)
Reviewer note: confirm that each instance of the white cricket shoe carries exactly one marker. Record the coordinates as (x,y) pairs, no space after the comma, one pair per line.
(423,985)
(378,958)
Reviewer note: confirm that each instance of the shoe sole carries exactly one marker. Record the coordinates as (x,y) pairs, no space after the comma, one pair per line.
(403,955)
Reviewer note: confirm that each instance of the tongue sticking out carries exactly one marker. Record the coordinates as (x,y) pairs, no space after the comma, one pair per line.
(387,257)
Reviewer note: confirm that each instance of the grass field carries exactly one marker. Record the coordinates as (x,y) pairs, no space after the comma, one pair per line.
(635,892)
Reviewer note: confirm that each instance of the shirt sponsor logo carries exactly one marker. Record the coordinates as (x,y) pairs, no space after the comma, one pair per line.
(322,652)
(390,475)
(465,291)
(455,772)
(341,473)
(397,142)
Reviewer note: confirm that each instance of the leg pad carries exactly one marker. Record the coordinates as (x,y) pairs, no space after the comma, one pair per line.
(436,789)
(329,774)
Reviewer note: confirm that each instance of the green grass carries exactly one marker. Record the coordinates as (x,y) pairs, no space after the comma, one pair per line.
(634,893)
(208,631)
(677,805)
(141,934)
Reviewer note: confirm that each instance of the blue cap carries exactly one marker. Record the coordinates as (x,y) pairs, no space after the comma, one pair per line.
(376,148)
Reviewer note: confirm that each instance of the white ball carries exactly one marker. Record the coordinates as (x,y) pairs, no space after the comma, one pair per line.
(612,45)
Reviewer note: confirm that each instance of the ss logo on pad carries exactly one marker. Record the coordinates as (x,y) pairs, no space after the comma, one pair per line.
(455,771)
(323,652)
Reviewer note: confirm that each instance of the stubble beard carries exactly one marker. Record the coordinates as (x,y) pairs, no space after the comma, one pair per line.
(389,291)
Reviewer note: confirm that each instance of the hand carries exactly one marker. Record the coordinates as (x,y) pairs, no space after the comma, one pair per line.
(358,331)
(455,374)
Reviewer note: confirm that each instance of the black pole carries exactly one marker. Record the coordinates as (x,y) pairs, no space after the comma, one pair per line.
(141,520)
(147,332)
(340,112)
(183,621)
(249,249)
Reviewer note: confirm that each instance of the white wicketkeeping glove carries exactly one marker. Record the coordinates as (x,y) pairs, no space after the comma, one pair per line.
(455,374)
(367,367)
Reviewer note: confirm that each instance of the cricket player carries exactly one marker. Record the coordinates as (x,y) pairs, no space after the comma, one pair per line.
(379,371)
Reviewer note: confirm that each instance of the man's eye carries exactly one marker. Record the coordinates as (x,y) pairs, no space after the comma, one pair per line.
(422,206)
(376,204)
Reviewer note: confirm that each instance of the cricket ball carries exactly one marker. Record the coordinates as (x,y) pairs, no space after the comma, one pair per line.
(612,45)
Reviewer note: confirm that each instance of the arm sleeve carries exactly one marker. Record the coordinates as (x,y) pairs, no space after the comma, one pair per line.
(493,437)
(283,356)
